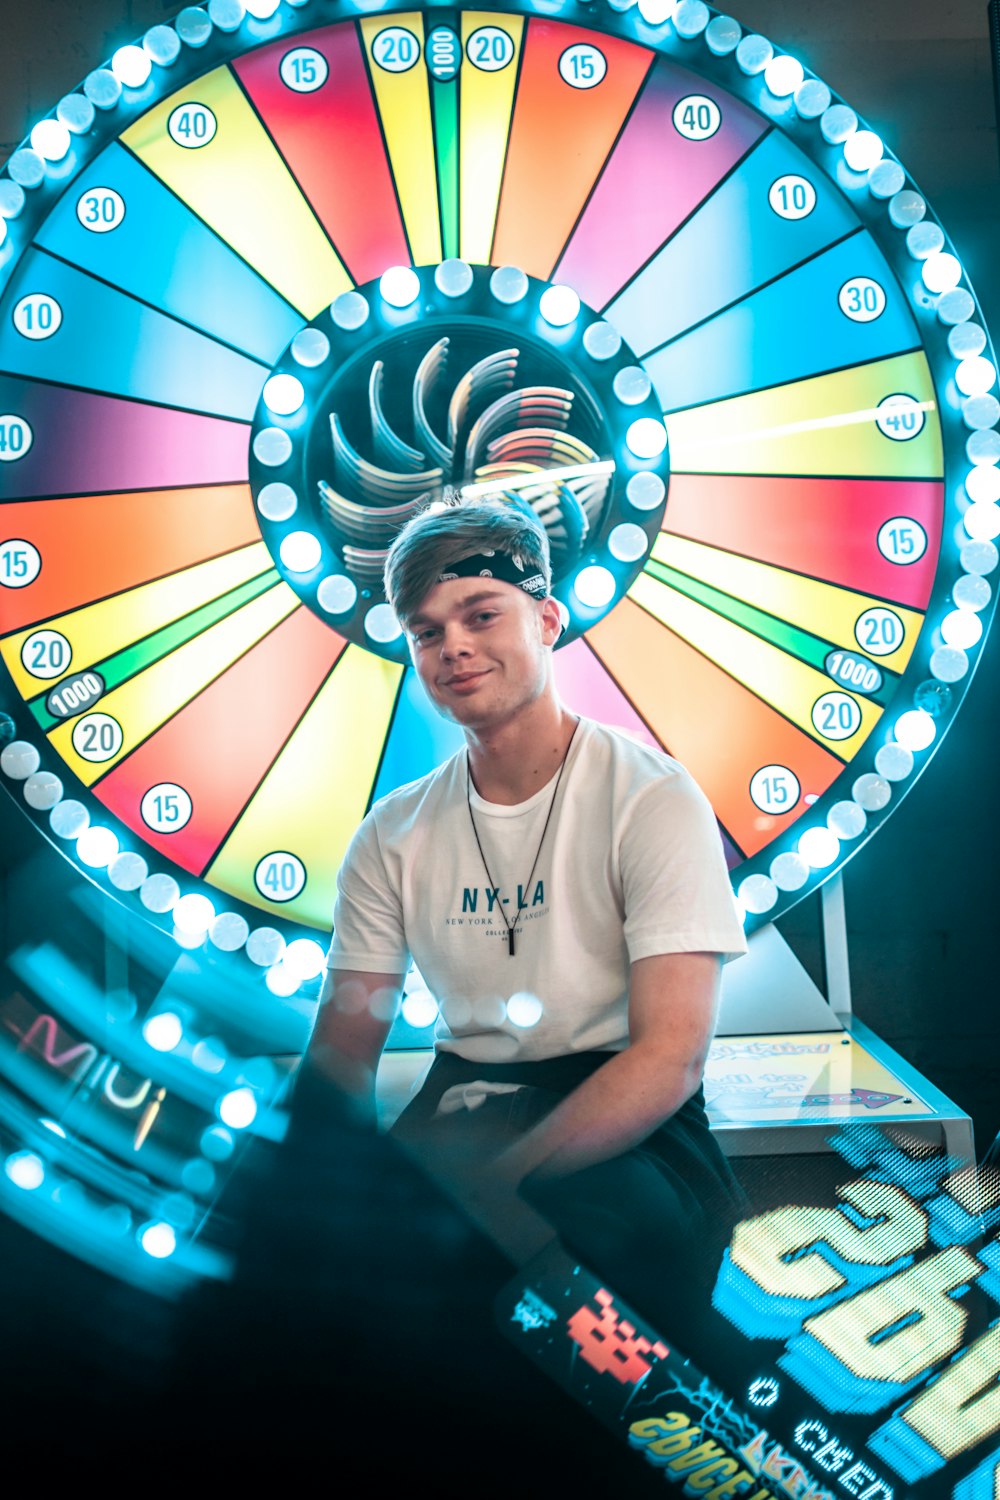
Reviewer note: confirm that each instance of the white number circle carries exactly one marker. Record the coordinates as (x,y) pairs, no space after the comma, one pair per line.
(879,631)
(280,876)
(902,540)
(395,49)
(166,807)
(46,654)
(490,49)
(97,737)
(37,316)
(774,789)
(192,125)
(861,299)
(16,437)
(792,196)
(836,716)
(100,209)
(20,563)
(900,417)
(697,117)
(582,66)
(304,70)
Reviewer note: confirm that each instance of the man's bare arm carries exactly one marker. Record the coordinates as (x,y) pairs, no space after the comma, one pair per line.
(355,1016)
(673,1000)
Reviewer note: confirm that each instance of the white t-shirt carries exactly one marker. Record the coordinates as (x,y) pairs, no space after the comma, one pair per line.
(631,866)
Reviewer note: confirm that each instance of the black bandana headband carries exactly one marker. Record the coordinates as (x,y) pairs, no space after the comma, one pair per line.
(499,565)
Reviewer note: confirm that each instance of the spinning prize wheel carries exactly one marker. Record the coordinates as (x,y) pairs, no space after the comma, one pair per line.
(280,273)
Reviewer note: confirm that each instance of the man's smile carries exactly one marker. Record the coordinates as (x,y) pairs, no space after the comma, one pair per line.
(464,680)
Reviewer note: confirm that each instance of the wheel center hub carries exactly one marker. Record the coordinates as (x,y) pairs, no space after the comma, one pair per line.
(455,383)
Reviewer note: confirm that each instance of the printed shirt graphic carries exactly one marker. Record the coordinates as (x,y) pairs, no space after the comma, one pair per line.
(631,866)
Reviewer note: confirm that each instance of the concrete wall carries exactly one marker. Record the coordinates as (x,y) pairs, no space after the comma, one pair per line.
(922,897)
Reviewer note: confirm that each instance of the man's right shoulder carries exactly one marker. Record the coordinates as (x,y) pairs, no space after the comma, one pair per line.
(415,798)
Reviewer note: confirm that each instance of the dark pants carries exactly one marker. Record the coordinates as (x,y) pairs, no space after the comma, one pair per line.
(653,1221)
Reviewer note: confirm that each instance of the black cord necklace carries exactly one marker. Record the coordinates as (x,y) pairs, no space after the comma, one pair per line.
(512,927)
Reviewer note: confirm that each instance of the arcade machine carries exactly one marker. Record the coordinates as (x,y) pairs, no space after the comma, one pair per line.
(272,277)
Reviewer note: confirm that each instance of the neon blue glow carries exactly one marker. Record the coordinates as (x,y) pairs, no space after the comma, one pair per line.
(846,819)
(300,551)
(96,847)
(272,447)
(941,272)
(163,1031)
(757,893)
(602,340)
(305,957)
(25,1170)
(350,311)
(102,88)
(763,1315)
(509,284)
(863,150)
(981,1483)
(238,1108)
(595,586)
(838,122)
(194,913)
(158,1240)
(68,819)
(789,871)
(283,394)
(44,789)
(886,179)
(127,871)
(399,286)
(282,980)
(559,306)
(265,945)
(812,1366)
(722,35)
(646,437)
(159,893)
(163,45)
(51,139)
(915,729)
(277,501)
(894,762)
(26,168)
(982,485)
(753,54)
(904,1450)
(453,278)
(381,624)
(193,26)
(19,760)
(337,594)
(310,347)
(961,628)
(524,1010)
(982,522)
(131,66)
(783,75)
(419,1009)
(227,14)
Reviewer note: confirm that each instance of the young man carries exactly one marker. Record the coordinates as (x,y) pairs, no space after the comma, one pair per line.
(562,891)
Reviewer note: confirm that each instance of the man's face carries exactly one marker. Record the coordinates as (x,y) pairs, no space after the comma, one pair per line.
(480,648)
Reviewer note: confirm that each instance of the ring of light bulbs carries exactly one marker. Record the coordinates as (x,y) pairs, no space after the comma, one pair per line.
(931,276)
(443,300)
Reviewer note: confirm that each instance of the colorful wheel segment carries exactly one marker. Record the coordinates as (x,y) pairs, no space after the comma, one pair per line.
(268,286)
